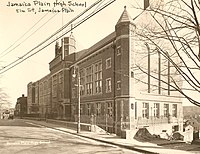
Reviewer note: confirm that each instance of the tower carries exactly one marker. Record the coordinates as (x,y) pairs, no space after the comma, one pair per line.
(124,57)
(69,45)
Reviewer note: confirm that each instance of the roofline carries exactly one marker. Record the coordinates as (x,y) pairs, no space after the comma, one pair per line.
(96,48)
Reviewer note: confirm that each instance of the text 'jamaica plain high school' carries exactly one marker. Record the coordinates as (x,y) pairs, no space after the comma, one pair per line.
(114,95)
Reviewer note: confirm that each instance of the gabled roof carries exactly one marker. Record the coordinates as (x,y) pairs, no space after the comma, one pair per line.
(125,17)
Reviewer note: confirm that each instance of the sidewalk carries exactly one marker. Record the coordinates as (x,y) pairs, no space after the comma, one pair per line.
(143,147)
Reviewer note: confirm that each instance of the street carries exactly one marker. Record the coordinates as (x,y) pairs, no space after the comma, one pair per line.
(21,137)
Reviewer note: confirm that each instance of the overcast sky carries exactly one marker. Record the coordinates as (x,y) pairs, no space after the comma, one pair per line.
(15,23)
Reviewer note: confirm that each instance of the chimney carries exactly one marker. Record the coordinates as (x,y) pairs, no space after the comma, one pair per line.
(57,49)
(22,95)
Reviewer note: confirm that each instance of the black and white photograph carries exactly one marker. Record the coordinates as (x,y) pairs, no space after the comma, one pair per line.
(99,76)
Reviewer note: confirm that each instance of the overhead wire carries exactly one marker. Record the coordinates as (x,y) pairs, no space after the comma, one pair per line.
(62,28)
(20,38)
(75,25)
(25,34)
(25,40)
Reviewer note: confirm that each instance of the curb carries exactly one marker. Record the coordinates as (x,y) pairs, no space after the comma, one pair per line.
(103,141)
(119,145)
(161,144)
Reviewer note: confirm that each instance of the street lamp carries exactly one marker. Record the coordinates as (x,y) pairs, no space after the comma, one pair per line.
(74,75)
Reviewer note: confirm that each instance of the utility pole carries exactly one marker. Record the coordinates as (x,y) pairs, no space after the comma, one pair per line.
(77,75)
(79,105)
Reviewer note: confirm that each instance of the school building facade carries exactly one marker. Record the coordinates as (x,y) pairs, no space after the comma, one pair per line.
(111,96)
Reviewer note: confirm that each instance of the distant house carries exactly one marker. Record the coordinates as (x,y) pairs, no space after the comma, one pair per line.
(196,127)
(188,133)
(21,106)
(194,123)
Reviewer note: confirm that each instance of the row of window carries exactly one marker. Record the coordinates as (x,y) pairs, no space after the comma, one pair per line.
(156,110)
(57,85)
(98,109)
(98,88)
(91,79)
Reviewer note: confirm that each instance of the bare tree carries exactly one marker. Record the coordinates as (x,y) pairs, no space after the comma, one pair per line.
(171,35)
(4,103)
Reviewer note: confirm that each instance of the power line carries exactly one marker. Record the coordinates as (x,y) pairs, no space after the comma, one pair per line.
(27,37)
(26,33)
(61,29)
(21,38)
(76,25)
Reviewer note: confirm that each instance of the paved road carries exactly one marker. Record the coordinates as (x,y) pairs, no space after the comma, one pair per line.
(20,137)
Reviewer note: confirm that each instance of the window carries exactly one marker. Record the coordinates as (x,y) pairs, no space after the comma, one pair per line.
(89,79)
(108,85)
(166,110)
(82,82)
(145,110)
(109,109)
(118,85)
(108,63)
(118,50)
(88,109)
(82,90)
(174,110)
(45,87)
(60,77)
(98,77)
(60,85)
(98,109)
(41,89)
(156,110)
(54,88)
